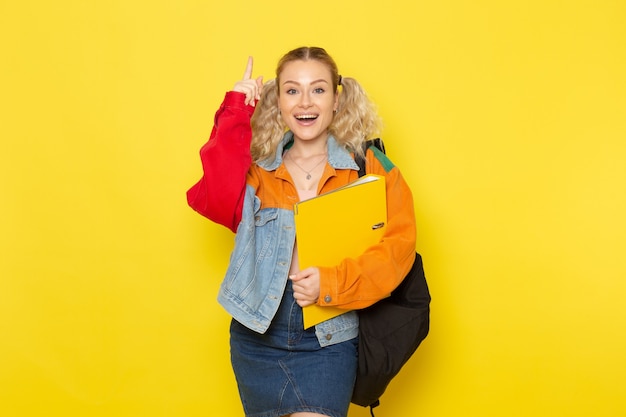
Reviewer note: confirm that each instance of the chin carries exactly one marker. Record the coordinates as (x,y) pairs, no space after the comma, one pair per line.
(310,137)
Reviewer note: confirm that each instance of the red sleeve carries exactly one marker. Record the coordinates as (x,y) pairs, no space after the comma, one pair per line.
(225,162)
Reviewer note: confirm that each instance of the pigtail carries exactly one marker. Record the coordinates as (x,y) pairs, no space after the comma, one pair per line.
(267,125)
(356,119)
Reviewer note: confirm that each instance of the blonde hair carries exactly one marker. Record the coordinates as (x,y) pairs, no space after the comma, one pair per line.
(356,118)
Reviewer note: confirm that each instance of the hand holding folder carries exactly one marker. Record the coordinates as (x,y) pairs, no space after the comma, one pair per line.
(336,225)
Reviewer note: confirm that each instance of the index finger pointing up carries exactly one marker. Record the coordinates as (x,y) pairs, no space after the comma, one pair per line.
(248,74)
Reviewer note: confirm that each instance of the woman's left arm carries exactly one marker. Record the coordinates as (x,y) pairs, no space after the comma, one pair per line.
(360,282)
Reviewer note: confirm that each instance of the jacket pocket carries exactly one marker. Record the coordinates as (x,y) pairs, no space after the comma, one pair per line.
(266,232)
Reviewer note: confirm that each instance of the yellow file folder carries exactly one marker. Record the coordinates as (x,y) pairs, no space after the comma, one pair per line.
(336,225)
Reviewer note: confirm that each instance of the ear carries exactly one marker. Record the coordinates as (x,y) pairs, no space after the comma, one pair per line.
(336,104)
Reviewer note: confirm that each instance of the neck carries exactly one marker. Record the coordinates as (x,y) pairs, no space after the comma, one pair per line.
(307,149)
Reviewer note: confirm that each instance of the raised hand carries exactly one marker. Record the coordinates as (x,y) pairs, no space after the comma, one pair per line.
(252,88)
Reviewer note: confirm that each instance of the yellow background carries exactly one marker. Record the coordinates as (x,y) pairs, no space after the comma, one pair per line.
(508,120)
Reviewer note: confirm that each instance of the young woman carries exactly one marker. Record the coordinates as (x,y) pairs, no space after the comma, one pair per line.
(271,146)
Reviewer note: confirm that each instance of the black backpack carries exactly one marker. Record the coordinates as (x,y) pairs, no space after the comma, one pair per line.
(390,330)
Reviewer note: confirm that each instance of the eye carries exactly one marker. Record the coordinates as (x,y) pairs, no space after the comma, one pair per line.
(319,90)
(291,91)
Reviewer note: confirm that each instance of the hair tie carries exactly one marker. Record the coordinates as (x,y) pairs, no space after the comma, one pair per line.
(339,82)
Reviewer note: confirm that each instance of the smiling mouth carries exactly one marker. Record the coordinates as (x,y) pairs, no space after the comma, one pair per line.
(306,117)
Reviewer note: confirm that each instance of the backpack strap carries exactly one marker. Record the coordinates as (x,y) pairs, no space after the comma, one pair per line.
(360,160)
(374,404)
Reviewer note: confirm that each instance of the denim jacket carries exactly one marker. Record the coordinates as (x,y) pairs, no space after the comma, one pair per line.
(259,265)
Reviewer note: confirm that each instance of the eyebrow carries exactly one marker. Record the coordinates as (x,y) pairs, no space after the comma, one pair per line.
(321,80)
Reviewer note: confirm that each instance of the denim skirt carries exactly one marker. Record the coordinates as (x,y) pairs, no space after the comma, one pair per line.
(286,371)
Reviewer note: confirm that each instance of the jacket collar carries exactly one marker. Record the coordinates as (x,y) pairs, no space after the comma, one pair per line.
(338,156)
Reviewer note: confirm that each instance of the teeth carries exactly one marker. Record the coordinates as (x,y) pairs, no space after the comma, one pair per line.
(306,117)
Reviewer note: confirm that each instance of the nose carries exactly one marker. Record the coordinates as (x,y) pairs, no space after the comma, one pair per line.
(305,100)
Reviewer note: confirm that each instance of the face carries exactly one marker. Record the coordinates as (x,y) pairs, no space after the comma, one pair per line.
(306,99)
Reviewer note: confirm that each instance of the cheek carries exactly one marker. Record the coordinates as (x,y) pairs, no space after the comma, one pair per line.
(284,103)
(330,108)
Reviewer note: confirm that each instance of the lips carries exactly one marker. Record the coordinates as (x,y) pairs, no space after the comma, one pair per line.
(306,118)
